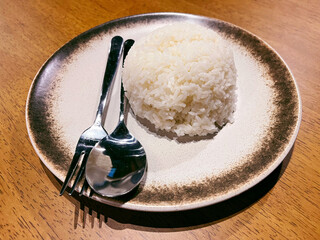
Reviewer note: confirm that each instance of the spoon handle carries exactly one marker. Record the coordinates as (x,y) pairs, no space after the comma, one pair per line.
(109,76)
(127,45)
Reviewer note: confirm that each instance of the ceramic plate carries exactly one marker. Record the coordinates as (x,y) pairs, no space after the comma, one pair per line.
(185,173)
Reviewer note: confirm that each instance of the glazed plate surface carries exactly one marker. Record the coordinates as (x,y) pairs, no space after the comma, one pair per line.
(183,173)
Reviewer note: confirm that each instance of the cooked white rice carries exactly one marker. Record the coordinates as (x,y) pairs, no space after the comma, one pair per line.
(182,78)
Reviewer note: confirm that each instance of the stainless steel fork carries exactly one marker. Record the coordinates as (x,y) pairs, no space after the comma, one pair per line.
(96,132)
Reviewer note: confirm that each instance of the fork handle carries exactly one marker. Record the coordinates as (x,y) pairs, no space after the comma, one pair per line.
(109,76)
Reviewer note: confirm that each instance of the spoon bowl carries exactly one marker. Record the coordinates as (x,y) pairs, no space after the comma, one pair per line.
(117,164)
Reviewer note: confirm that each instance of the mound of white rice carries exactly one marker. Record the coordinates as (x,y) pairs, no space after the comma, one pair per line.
(182,78)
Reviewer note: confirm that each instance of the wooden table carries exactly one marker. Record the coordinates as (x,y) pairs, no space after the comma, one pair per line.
(284,206)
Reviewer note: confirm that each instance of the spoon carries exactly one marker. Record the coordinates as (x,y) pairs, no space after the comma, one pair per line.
(117,164)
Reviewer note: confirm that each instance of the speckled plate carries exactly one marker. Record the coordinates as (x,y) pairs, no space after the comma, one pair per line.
(185,173)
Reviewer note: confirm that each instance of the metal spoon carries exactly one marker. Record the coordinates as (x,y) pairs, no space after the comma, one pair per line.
(117,164)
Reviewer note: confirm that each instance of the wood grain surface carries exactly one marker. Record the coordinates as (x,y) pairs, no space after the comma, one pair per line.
(283,206)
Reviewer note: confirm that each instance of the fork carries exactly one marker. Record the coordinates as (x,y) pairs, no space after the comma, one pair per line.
(96,132)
